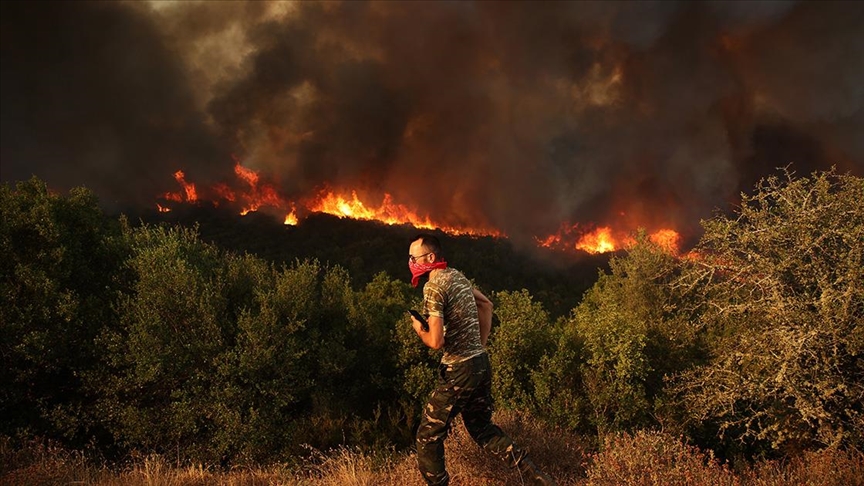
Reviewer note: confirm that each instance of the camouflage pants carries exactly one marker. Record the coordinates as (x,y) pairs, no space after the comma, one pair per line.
(464,388)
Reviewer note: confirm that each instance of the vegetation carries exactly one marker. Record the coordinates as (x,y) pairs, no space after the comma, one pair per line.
(644,458)
(781,291)
(738,363)
(366,248)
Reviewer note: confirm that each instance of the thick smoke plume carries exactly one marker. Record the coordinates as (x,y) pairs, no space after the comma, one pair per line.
(513,115)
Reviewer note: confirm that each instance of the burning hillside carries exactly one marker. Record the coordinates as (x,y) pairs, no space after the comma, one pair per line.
(562,124)
(255,195)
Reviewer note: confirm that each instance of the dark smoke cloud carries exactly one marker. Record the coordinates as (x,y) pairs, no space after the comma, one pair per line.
(514,115)
(91,96)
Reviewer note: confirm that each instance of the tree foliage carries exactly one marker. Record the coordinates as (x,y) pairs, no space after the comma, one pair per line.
(226,356)
(616,347)
(149,338)
(519,343)
(59,275)
(783,288)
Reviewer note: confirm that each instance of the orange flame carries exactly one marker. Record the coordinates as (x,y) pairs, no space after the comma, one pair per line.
(188,190)
(191,193)
(667,239)
(604,239)
(598,241)
(387,212)
(224,192)
(260,194)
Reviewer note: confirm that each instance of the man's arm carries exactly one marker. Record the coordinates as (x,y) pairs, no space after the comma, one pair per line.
(434,338)
(484,312)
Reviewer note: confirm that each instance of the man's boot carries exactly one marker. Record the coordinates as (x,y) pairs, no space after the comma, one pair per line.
(532,475)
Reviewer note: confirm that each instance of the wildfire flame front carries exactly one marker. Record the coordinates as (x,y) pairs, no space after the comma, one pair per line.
(259,194)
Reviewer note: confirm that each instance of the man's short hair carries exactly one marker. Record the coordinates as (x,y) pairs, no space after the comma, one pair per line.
(430,243)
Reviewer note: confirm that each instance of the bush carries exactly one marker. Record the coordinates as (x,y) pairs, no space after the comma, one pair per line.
(149,338)
(60,277)
(630,331)
(221,357)
(782,282)
(559,389)
(828,467)
(517,346)
(161,360)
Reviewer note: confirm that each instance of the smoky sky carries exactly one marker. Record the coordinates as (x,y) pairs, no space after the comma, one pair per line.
(513,115)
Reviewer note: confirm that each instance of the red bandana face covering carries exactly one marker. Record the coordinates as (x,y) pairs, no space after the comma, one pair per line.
(420,269)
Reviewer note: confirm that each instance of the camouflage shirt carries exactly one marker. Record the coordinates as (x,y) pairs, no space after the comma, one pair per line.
(448,294)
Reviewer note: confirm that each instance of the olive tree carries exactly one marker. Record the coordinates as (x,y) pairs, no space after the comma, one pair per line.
(159,363)
(632,333)
(517,345)
(60,273)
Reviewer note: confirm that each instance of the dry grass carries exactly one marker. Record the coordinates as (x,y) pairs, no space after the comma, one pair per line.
(556,451)
(648,458)
(824,468)
(656,458)
(645,458)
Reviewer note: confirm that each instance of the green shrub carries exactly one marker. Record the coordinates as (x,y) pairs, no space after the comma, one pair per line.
(59,276)
(516,347)
(161,360)
(222,357)
(559,389)
(614,351)
(782,282)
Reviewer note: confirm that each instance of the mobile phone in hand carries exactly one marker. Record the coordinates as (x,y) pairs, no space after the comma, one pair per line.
(419,317)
